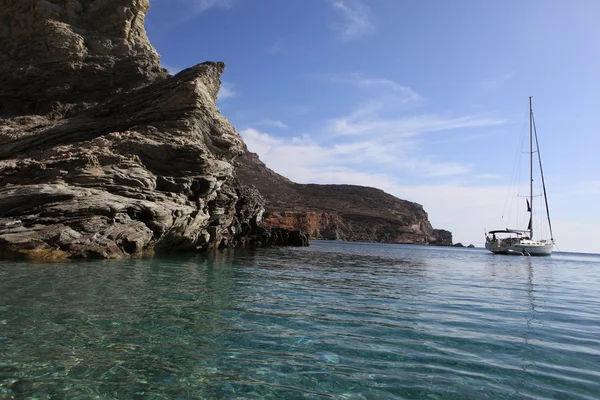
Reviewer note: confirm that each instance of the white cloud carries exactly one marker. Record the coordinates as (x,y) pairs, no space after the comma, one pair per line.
(485,177)
(363,121)
(227,91)
(496,81)
(364,139)
(272,123)
(257,141)
(199,6)
(303,139)
(432,169)
(304,158)
(355,19)
(188,9)
(378,86)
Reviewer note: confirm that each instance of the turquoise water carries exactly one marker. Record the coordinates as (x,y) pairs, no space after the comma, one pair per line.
(331,321)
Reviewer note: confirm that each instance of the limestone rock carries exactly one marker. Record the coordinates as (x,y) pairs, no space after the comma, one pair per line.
(62,54)
(442,237)
(102,152)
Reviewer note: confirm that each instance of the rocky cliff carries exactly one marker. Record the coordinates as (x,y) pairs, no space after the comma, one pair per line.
(102,152)
(62,55)
(344,212)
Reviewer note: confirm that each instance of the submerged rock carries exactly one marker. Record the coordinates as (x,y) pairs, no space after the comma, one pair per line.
(102,152)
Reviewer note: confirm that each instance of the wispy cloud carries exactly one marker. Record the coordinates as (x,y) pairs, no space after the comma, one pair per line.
(379,86)
(497,81)
(303,158)
(272,123)
(199,6)
(191,8)
(258,142)
(368,121)
(354,19)
(227,91)
(370,136)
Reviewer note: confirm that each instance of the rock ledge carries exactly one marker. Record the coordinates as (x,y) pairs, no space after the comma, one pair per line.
(103,154)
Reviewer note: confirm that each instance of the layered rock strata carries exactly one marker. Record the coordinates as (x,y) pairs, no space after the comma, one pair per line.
(102,152)
(61,55)
(339,212)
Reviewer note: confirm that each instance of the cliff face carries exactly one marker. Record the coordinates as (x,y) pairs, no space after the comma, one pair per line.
(63,54)
(102,153)
(343,212)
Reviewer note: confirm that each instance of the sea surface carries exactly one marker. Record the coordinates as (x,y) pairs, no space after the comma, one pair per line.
(331,321)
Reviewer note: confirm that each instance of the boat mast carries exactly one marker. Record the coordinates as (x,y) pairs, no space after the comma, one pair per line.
(530,169)
(537,147)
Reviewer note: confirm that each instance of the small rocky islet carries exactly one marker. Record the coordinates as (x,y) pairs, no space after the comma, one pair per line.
(104,154)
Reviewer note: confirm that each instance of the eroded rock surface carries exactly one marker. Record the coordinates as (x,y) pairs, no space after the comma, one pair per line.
(56,55)
(102,152)
(339,212)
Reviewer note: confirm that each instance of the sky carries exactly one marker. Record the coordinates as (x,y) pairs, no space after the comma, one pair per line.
(426,100)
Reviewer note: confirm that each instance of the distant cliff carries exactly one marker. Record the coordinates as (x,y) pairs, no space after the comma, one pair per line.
(338,212)
(102,152)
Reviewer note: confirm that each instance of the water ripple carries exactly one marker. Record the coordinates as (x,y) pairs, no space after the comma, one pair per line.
(335,320)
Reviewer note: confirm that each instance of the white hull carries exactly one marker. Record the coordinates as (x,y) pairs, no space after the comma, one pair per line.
(520,247)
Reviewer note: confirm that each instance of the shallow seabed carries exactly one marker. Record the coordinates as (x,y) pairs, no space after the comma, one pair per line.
(331,321)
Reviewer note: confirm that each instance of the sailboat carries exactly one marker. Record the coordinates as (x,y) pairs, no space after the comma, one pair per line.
(521,241)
